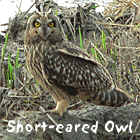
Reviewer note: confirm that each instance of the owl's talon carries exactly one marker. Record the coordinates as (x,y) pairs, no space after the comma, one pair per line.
(61,107)
(54,111)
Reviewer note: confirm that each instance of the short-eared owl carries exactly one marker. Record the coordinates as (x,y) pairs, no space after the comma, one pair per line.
(63,69)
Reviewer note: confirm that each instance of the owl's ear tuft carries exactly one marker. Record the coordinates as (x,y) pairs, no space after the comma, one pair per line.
(38,13)
(49,12)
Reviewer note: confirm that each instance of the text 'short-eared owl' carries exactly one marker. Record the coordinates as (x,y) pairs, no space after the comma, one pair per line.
(63,69)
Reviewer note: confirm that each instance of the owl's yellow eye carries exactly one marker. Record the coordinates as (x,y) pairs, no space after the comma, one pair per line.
(51,24)
(37,24)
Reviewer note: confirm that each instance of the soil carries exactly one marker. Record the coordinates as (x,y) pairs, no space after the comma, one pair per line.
(114,37)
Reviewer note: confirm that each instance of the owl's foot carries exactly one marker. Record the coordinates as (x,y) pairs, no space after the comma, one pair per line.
(61,107)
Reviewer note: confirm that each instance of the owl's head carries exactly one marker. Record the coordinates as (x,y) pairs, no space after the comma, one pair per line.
(43,26)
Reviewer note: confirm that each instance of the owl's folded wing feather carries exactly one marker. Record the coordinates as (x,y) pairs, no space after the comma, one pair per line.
(77,73)
(71,67)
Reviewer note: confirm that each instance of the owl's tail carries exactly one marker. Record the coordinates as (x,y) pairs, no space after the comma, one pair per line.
(115,97)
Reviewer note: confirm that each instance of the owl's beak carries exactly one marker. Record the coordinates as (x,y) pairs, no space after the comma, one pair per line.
(45,32)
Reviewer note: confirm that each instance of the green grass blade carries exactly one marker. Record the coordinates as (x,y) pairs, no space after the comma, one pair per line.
(19,65)
(16,63)
(25,101)
(80,35)
(56,12)
(6,39)
(94,7)
(136,26)
(8,70)
(66,36)
(37,82)
(93,52)
(104,40)
(133,66)
(11,75)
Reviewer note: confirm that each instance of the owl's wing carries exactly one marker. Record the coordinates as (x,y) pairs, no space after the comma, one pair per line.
(78,53)
(71,67)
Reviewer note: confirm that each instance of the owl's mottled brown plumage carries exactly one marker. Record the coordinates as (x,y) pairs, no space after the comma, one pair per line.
(63,69)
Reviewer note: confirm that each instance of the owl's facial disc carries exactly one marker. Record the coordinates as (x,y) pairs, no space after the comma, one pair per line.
(45,31)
